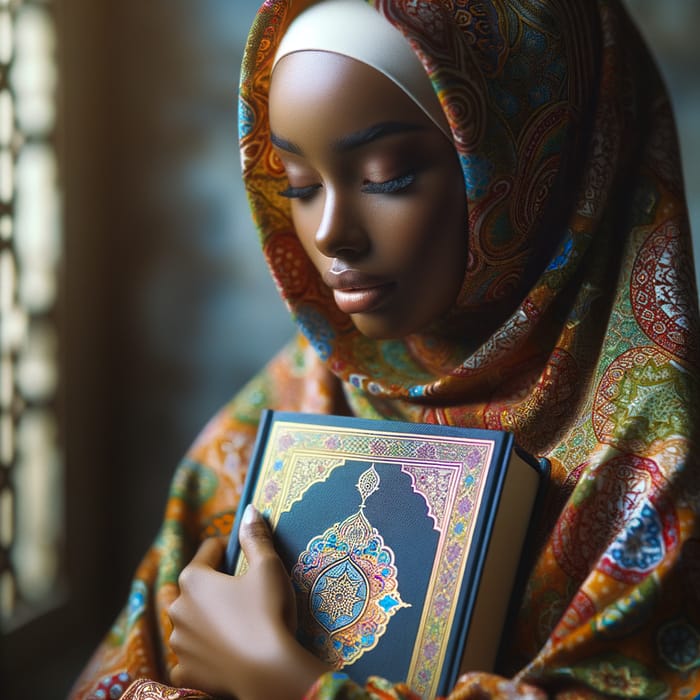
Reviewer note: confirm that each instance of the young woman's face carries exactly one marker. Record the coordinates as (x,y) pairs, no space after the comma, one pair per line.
(377,194)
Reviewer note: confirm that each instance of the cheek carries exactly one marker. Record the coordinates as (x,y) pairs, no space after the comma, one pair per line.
(306,221)
(427,238)
(436,271)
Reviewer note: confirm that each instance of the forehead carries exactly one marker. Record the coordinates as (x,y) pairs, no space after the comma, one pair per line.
(313,89)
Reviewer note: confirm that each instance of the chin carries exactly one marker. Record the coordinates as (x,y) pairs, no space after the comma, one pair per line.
(376,329)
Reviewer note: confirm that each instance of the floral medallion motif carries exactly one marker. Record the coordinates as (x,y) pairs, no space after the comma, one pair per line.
(679,645)
(617,520)
(349,577)
(661,290)
(640,399)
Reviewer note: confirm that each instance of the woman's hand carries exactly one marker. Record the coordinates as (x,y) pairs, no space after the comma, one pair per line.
(234,635)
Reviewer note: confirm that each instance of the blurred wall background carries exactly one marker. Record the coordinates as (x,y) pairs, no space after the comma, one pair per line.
(168,307)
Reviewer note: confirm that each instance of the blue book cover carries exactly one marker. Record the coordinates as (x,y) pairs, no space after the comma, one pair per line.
(385,530)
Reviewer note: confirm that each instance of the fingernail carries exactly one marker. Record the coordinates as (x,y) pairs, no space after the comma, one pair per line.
(250,514)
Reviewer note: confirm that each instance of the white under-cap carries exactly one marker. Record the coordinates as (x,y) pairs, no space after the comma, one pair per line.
(354,29)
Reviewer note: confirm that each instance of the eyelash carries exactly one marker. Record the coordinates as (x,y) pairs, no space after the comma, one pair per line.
(300,192)
(393,186)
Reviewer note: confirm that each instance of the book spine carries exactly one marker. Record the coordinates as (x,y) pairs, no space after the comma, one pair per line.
(233,546)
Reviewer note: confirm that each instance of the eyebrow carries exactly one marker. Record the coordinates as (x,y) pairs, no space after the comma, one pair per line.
(354,140)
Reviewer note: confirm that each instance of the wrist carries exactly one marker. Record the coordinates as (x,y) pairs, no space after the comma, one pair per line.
(302,669)
(285,671)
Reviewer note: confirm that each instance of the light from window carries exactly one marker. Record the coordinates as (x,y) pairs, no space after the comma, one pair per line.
(31,468)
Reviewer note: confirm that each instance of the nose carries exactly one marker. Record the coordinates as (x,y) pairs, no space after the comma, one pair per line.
(340,233)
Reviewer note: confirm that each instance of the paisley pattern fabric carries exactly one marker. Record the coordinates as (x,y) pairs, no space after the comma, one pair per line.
(579,250)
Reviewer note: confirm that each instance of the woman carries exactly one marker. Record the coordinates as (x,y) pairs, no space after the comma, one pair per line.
(509,250)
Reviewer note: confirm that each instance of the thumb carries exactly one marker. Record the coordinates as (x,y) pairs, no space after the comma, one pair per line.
(255,536)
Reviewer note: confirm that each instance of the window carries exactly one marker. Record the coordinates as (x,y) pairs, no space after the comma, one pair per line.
(31,517)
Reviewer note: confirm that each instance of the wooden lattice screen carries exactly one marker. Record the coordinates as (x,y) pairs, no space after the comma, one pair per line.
(31,469)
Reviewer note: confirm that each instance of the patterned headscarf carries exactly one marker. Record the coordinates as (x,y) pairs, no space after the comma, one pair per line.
(579,245)
(580,259)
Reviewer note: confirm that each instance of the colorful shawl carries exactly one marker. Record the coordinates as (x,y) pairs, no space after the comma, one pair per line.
(579,246)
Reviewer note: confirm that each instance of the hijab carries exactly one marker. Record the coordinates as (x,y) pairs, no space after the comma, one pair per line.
(580,261)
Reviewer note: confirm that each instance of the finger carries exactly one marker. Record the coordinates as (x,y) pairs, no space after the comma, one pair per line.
(175,675)
(255,536)
(210,552)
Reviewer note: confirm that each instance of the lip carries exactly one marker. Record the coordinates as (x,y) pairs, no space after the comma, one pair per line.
(356,292)
(358,301)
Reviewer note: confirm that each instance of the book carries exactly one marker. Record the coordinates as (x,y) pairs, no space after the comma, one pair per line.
(404,541)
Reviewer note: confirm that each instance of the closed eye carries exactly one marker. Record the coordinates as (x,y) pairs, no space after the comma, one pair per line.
(300,192)
(393,186)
